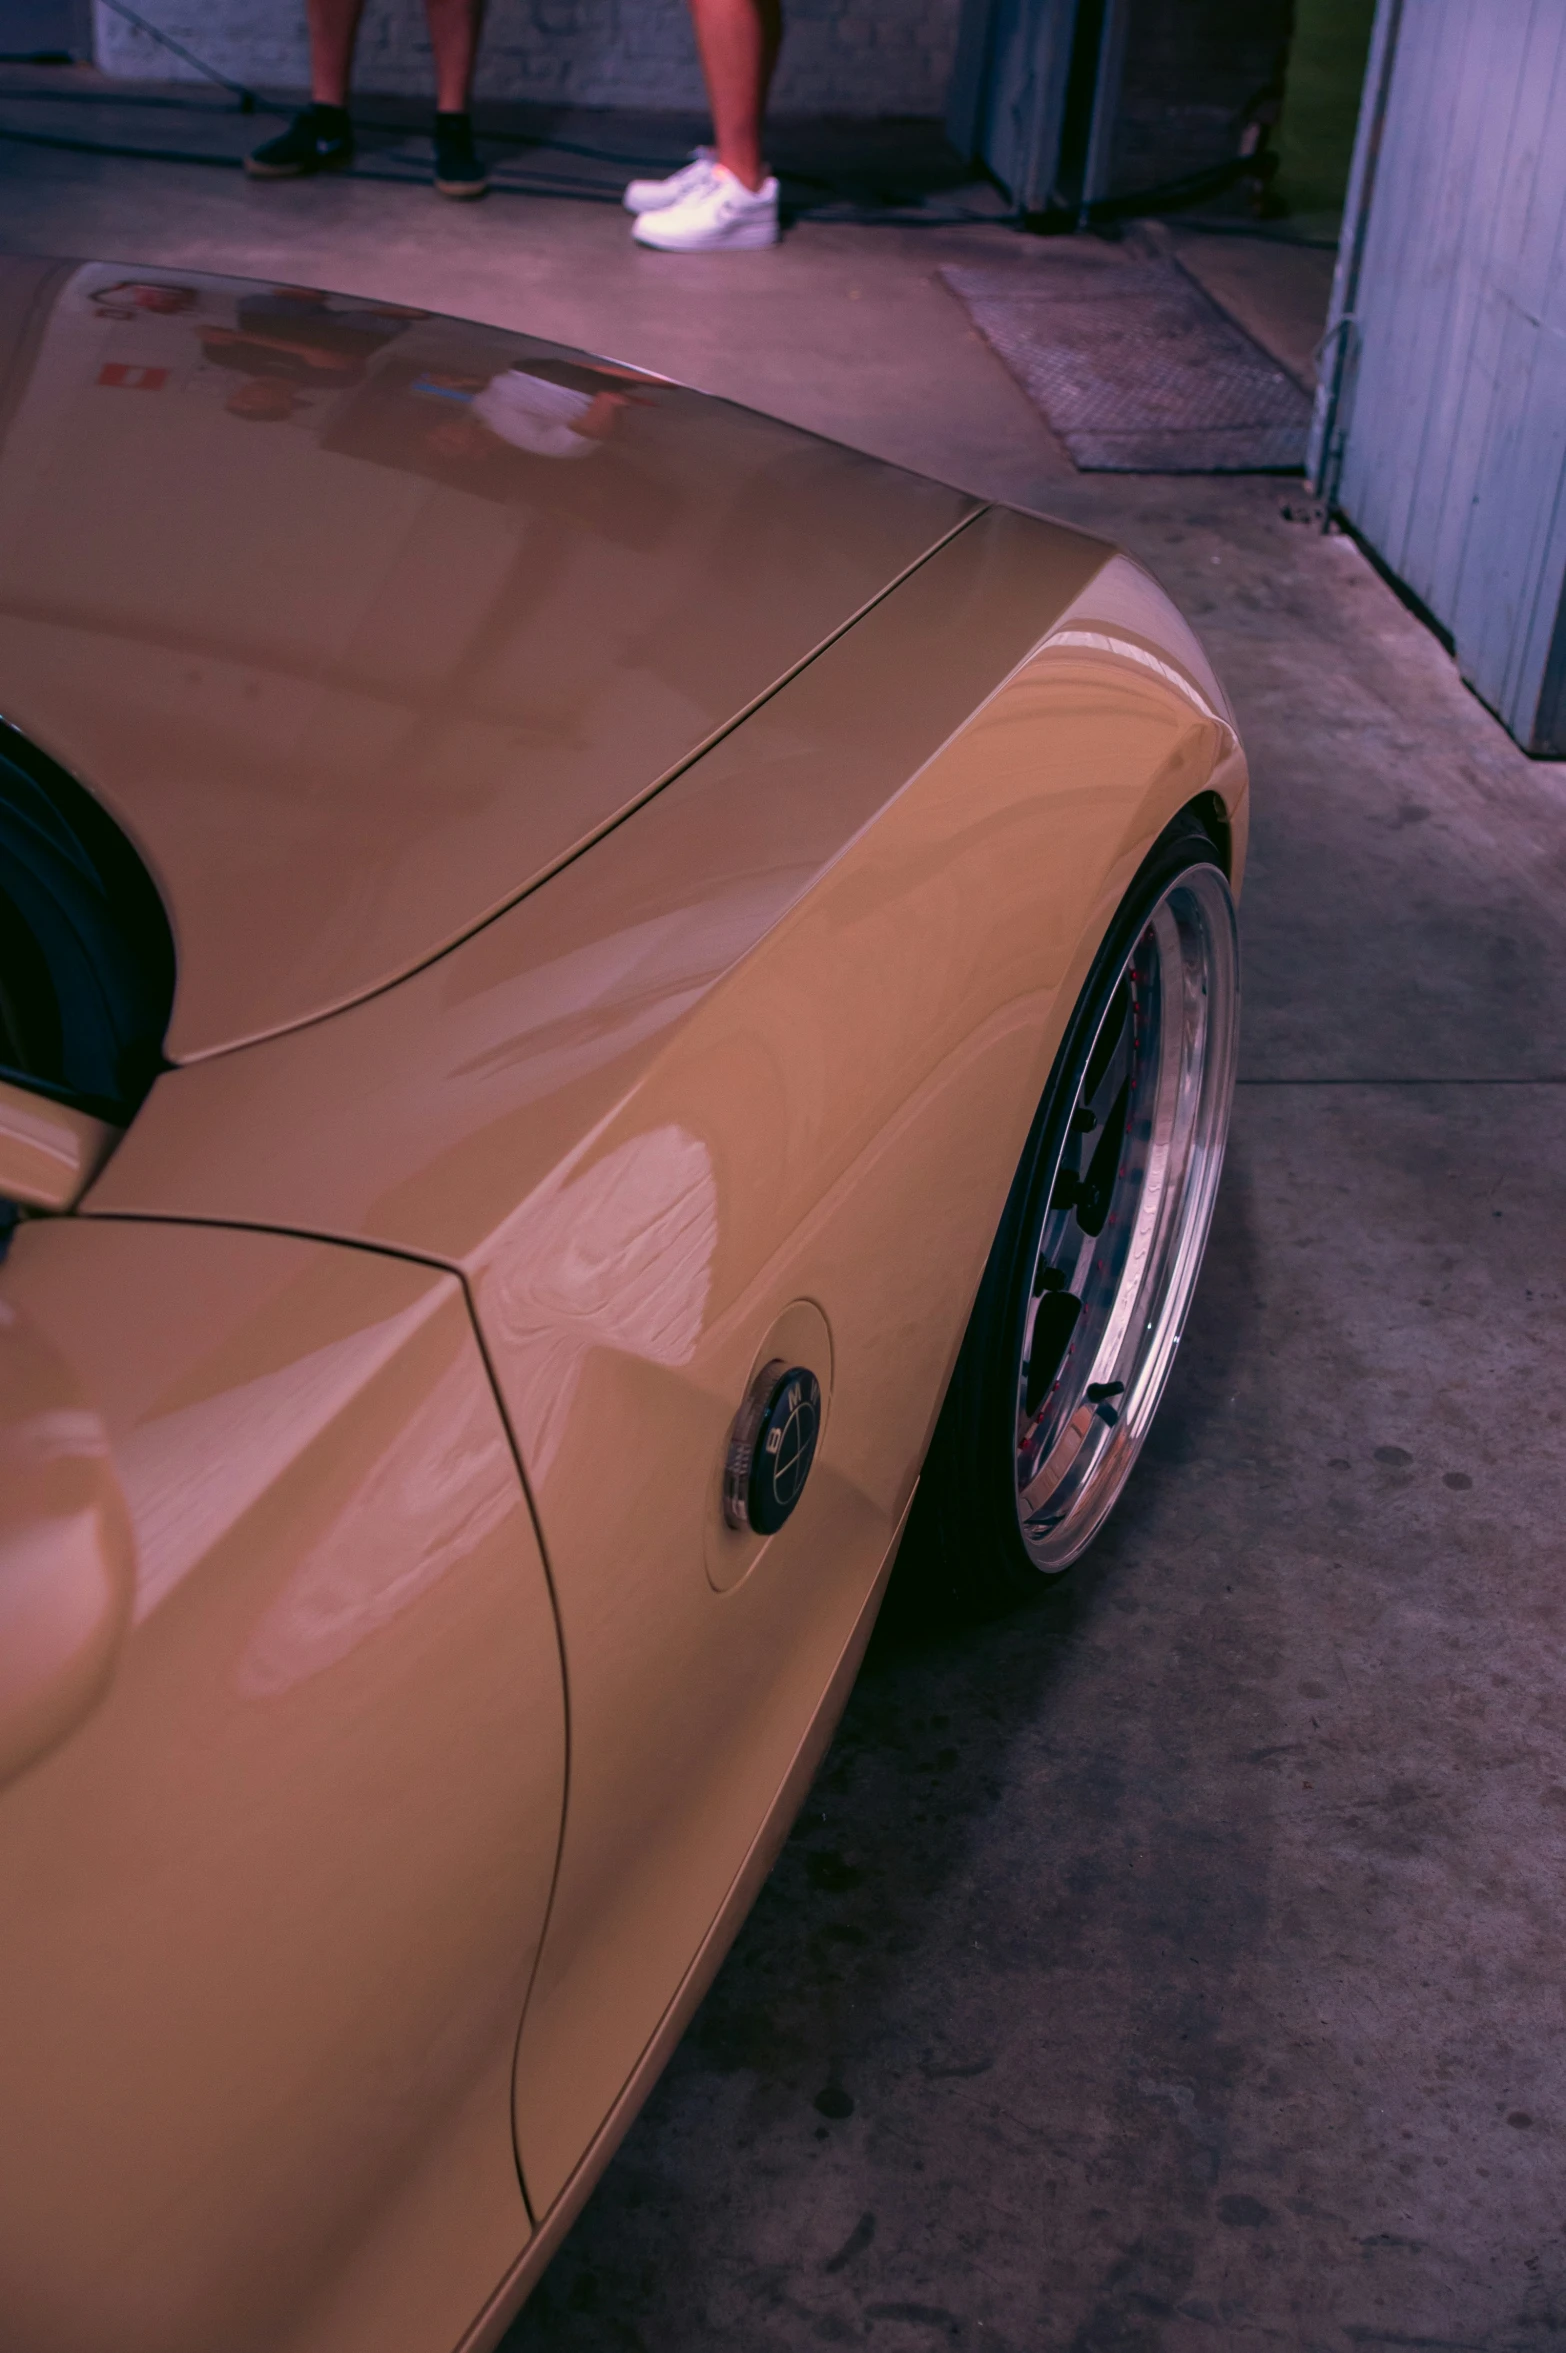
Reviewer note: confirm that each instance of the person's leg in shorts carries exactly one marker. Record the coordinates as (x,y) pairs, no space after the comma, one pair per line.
(320,138)
(725,196)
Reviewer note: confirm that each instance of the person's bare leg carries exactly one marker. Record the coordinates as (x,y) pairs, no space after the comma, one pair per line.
(454,38)
(739,41)
(333,26)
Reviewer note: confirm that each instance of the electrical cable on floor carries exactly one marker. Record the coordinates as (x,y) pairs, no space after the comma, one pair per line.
(828,209)
(246,97)
(128,96)
(1271,233)
(410,130)
(283,107)
(839,212)
(1172,195)
(844,210)
(233,163)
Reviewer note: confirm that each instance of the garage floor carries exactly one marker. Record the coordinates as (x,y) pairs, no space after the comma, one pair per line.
(1176,1965)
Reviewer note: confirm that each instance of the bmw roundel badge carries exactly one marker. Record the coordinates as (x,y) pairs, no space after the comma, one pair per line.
(772,1448)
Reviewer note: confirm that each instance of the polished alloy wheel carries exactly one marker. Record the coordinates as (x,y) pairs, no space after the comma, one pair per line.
(1125,1218)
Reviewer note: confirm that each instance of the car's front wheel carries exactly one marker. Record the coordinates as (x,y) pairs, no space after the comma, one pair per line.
(1085,1295)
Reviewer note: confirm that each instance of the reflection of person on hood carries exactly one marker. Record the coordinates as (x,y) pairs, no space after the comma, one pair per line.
(551,420)
(294,336)
(130,295)
(531,413)
(460,417)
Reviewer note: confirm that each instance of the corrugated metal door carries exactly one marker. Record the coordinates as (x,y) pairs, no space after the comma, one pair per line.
(1444,438)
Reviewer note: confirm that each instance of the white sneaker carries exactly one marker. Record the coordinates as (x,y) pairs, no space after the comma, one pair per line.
(722,212)
(658,195)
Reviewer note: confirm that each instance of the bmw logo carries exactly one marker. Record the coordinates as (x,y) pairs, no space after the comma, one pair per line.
(772,1447)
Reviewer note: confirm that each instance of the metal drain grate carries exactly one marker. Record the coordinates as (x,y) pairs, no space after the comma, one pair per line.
(1133,366)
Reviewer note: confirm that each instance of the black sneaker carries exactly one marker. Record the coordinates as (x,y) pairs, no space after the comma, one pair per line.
(458,171)
(319,139)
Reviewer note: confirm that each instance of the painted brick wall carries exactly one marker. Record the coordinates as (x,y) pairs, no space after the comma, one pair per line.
(854,57)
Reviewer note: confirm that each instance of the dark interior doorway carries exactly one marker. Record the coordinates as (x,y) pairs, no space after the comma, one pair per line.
(1086,110)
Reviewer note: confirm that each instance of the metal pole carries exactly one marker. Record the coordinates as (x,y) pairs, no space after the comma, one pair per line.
(1339,345)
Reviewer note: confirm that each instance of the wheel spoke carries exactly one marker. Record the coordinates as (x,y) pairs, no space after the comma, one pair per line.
(1054,1321)
(1095,1190)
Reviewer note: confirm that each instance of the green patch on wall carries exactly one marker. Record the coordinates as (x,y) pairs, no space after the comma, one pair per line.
(1321,105)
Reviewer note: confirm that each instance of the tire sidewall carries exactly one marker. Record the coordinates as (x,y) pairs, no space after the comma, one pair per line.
(971,1515)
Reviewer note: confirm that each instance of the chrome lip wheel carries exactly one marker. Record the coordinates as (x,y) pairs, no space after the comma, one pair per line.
(1129,1204)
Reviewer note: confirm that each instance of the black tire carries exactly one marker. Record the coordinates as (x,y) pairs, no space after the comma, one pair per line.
(1041,1378)
(86,957)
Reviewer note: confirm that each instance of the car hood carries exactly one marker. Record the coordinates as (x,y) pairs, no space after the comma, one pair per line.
(362,622)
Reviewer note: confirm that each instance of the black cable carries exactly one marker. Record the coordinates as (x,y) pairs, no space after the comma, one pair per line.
(234,163)
(408,130)
(281,106)
(1165,196)
(125,97)
(1172,195)
(246,97)
(1273,232)
(843,213)
(1168,196)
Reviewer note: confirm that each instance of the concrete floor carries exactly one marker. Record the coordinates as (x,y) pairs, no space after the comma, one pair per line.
(1176,1965)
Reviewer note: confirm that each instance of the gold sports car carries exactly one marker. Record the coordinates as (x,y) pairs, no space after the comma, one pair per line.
(592,989)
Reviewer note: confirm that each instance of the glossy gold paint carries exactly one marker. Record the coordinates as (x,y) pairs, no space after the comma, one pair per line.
(49,1154)
(351,686)
(66,1555)
(274,1905)
(800,1003)
(513,2290)
(748,1077)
